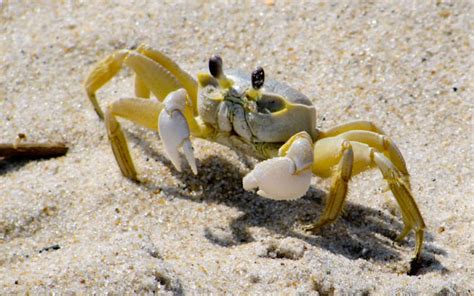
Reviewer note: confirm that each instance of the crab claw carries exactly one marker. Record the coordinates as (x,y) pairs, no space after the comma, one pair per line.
(276,179)
(286,177)
(174,130)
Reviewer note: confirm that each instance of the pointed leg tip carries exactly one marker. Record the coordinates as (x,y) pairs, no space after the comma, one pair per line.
(307,228)
(100,114)
(311,228)
(316,227)
(133,176)
(96,106)
(415,265)
(399,239)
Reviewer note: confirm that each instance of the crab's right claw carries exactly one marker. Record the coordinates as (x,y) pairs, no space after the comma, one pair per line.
(174,130)
(287,177)
(275,178)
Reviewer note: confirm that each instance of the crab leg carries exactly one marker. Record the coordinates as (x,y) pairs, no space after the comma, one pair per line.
(365,157)
(166,117)
(410,212)
(141,91)
(383,144)
(141,111)
(341,175)
(286,177)
(155,72)
(175,119)
(101,74)
(186,80)
(350,126)
(151,76)
(161,82)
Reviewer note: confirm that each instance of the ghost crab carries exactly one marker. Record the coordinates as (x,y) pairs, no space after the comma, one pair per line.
(262,118)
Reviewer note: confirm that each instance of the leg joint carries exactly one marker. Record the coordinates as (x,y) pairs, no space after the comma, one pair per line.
(387,142)
(346,162)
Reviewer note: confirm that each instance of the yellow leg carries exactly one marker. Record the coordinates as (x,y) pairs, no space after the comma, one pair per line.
(161,81)
(154,71)
(410,212)
(141,91)
(382,144)
(141,111)
(101,74)
(350,126)
(337,194)
(186,80)
(151,76)
(327,160)
(154,76)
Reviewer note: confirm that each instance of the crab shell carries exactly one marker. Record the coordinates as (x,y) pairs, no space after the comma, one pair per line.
(275,116)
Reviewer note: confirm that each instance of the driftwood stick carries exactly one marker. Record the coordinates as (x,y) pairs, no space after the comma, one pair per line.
(32,150)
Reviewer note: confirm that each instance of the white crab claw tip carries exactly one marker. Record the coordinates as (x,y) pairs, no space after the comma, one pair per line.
(249,182)
(275,179)
(174,156)
(189,154)
(265,194)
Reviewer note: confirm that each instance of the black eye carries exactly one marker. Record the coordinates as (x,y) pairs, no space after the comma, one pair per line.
(258,78)
(215,66)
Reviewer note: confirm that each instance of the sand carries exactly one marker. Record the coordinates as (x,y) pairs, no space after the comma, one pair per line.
(74,224)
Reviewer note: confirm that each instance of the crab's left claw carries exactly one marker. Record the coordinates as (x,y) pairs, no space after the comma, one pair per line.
(287,177)
(174,130)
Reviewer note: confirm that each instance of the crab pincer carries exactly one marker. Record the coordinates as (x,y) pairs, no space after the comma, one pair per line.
(174,130)
(286,177)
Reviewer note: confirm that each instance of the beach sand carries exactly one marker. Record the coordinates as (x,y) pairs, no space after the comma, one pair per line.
(74,224)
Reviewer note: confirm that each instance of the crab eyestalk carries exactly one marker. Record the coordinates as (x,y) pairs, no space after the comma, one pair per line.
(258,79)
(217,71)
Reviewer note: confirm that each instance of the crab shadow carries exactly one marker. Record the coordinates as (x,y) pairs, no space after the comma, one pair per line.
(360,233)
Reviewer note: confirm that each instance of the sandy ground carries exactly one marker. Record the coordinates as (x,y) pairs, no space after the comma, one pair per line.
(74,224)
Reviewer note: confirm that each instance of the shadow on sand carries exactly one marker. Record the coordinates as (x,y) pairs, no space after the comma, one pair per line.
(12,164)
(360,233)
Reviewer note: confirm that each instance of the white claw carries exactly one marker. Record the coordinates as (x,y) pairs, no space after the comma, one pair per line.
(189,154)
(287,177)
(276,179)
(174,130)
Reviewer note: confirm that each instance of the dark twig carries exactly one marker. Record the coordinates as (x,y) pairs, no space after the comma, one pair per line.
(32,150)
